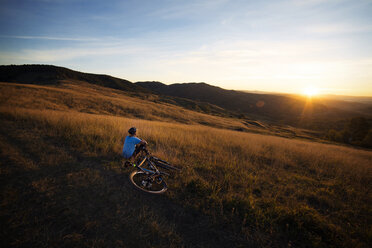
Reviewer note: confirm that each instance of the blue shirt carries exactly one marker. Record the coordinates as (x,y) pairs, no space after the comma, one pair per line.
(129,146)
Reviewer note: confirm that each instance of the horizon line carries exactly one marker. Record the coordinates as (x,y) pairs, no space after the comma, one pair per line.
(255,91)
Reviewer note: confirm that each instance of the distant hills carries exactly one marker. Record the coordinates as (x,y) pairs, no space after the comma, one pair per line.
(318,114)
(284,109)
(360,99)
(247,103)
(49,74)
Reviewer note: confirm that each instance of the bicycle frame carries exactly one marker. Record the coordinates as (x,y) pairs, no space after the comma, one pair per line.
(155,170)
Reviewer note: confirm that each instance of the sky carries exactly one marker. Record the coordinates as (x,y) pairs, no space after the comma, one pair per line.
(274,45)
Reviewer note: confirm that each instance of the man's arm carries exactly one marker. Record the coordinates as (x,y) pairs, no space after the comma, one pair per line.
(140,142)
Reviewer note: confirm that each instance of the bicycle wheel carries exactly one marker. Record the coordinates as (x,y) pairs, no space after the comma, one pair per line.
(154,185)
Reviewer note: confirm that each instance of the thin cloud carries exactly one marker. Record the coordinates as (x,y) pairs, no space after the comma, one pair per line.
(187,10)
(48,38)
(338,29)
(70,53)
(313,2)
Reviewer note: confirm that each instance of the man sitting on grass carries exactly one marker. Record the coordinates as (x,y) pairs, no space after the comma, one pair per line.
(132,145)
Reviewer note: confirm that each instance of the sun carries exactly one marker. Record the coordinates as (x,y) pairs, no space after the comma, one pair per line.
(310,91)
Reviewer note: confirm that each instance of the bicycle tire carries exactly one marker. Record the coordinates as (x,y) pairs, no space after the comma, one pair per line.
(139,180)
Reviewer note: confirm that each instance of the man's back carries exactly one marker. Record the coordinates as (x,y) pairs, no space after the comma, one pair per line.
(130,145)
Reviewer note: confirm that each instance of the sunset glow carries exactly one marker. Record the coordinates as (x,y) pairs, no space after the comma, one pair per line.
(272,46)
(310,91)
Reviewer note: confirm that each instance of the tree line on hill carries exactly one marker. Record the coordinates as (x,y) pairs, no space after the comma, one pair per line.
(356,132)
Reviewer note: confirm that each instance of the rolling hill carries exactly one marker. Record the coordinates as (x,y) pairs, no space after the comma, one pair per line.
(63,184)
(53,75)
(48,74)
(318,114)
(297,111)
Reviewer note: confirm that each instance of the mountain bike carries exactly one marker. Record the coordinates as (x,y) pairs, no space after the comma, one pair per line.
(148,177)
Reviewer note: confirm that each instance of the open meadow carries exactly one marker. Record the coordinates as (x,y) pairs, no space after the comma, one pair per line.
(62,183)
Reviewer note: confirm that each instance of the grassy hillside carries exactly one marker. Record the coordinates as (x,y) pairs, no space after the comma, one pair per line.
(62,183)
(88,98)
(80,96)
(319,115)
(54,75)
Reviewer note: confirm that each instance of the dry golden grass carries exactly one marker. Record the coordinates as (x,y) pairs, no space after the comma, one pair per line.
(83,97)
(271,189)
(87,98)
(267,191)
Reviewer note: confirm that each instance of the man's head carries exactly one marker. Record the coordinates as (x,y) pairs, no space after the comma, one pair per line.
(132,131)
